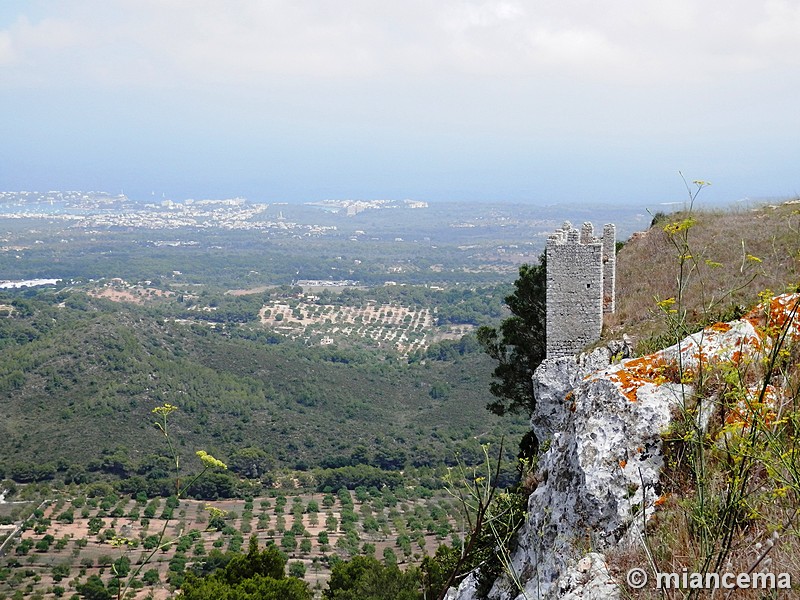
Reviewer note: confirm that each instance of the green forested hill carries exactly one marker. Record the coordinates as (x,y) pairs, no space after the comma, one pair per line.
(79,377)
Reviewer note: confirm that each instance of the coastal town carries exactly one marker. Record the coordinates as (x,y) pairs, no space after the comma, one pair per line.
(102,210)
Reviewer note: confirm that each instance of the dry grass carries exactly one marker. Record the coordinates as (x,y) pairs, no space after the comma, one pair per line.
(674,550)
(720,243)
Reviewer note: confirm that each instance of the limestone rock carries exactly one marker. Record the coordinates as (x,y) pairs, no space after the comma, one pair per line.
(552,383)
(589,579)
(600,426)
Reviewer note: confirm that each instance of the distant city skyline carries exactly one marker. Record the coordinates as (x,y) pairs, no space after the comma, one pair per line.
(541,102)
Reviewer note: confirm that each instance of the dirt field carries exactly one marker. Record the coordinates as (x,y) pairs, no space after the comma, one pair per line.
(119,291)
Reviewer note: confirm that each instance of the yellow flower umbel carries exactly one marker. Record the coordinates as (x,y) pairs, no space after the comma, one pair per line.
(165,409)
(216,512)
(678,226)
(118,541)
(209,461)
(666,305)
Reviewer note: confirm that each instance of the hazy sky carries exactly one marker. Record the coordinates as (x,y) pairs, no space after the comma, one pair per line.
(300,100)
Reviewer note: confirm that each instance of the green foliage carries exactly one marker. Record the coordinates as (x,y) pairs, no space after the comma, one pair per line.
(104,560)
(94,589)
(297,569)
(452,350)
(257,575)
(151,577)
(268,562)
(289,542)
(366,578)
(436,569)
(95,525)
(122,566)
(518,345)
(250,462)
(352,477)
(438,390)
(305,545)
(60,571)
(658,218)
(389,556)
(255,588)
(109,364)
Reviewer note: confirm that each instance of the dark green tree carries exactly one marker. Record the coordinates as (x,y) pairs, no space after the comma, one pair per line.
(389,557)
(366,578)
(257,575)
(518,345)
(122,566)
(437,569)
(250,462)
(255,588)
(95,525)
(94,589)
(268,562)
(151,577)
(297,569)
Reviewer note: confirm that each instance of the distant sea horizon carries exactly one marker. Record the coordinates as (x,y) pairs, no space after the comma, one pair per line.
(59,206)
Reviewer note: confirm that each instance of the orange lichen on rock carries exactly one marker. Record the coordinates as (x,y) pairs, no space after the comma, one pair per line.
(720,342)
(779,312)
(757,318)
(783,309)
(628,384)
(759,403)
(635,373)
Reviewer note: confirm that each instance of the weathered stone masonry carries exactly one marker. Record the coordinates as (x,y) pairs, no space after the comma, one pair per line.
(580,286)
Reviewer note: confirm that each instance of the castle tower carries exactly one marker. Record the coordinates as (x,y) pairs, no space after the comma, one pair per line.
(580,286)
(609,267)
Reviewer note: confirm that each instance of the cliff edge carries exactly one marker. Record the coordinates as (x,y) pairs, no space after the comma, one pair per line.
(601,423)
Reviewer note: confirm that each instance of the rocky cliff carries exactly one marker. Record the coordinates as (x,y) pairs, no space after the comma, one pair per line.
(601,423)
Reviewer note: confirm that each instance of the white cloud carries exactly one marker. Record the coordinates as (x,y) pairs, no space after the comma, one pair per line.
(568,48)
(44,37)
(466,16)
(151,42)
(776,35)
(6,49)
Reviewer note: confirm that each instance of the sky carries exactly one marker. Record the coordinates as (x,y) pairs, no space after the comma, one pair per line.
(541,101)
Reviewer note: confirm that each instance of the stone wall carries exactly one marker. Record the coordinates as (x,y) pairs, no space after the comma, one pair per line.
(580,286)
(609,241)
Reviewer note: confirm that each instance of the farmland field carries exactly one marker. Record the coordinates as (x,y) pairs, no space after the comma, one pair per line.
(96,536)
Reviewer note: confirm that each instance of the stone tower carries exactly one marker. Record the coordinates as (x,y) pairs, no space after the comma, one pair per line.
(580,286)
